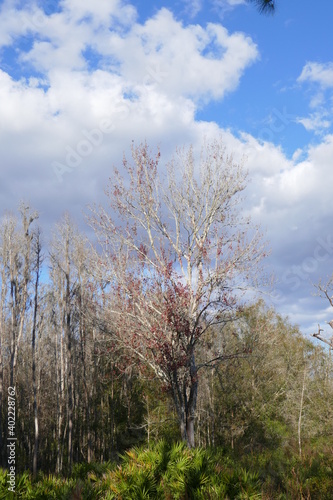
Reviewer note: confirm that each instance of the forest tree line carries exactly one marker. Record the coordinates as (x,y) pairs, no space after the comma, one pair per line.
(110,346)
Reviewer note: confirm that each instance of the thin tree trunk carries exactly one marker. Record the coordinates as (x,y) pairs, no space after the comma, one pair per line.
(60,393)
(60,388)
(112,416)
(192,404)
(33,342)
(68,334)
(13,330)
(83,344)
(148,421)
(300,415)
(69,383)
(101,438)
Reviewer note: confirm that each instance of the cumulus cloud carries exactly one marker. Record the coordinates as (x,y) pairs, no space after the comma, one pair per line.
(320,78)
(294,206)
(101,12)
(317,73)
(316,121)
(191,61)
(95,79)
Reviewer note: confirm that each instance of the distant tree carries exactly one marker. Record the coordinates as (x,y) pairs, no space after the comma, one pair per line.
(271,396)
(38,262)
(325,291)
(177,255)
(19,266)
(75,371)
(64,276)
(16,264)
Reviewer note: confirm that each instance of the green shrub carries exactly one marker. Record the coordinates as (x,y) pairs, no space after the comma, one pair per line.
(168,471)
(177,472)
(45,487)
(94,469)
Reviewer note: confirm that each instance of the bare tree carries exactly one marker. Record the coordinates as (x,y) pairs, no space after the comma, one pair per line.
(61,258)
(15,273)
(38,262)
(70,284)
(20,265)
(177,255)
(326,292)
(4,255)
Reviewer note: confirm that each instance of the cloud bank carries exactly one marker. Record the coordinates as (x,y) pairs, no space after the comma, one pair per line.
(80,80)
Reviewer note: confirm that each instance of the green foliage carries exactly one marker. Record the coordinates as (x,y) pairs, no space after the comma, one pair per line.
(94,470)
(177,472)
(187,472)
(23,487)
(45,487)
(172,471)
(253,403)
(163,471)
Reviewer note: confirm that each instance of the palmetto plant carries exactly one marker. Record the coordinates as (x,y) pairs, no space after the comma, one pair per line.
(176,472)
(163,472)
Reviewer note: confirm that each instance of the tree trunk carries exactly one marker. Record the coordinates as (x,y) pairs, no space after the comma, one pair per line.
(192,403)
(19,287)
(60,395)
(13,330)
(190,432)
(112,419)
(33,345)
(300,415)
(185,402)
(69,382)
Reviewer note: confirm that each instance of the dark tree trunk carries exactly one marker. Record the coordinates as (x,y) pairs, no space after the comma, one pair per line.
(185,402)
(192,403)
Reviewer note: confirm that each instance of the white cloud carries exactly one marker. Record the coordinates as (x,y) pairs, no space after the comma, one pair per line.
(99,13)
(223,6)
(320,77)
(154,74)
(189,61)
(13,22)
(316,121)
(193,7)
(23,106)
(146,81)
(317,73)
(140,80)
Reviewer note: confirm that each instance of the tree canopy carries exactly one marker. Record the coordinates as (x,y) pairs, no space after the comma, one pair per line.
(178,254)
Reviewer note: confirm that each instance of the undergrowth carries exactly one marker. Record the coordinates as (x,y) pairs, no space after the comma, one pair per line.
(172,471)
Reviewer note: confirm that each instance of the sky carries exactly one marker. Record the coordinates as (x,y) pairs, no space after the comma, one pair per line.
(80,80)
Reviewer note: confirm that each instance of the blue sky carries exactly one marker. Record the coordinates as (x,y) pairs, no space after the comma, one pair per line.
(79,80)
